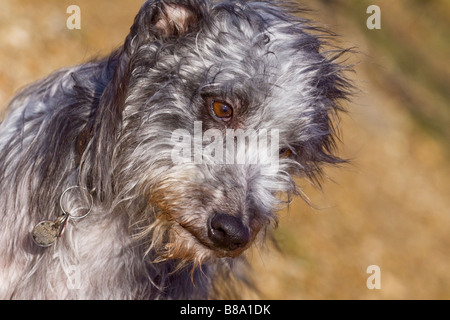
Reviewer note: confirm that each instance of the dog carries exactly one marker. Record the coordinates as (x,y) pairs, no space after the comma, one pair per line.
(113,179)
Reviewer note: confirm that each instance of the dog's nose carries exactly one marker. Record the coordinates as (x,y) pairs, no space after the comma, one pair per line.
(228,232)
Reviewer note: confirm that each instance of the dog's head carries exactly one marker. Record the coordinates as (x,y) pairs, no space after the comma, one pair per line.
(213,108)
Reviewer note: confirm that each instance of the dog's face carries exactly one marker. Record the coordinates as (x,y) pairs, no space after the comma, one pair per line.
(225,103)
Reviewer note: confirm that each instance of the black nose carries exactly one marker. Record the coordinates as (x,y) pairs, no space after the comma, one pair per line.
(228,232)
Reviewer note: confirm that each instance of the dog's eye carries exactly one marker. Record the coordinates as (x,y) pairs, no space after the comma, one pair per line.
(222,110)
(285,152)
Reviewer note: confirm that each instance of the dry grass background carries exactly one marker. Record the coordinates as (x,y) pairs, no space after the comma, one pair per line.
(389,207)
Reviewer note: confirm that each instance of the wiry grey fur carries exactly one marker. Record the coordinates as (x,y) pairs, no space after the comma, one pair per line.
(106,125)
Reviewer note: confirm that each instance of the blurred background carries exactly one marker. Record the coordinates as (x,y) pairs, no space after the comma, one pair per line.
(389,207)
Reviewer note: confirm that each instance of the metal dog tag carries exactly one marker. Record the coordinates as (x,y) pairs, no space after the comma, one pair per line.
(46,232)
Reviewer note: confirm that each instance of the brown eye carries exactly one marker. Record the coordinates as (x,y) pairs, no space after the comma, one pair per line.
(222,110)
(285,152)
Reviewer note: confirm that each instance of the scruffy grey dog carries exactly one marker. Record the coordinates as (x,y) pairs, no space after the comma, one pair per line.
(159,228)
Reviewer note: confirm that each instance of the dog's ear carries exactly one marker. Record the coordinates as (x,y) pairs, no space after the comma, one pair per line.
(160,19)
(176,20)
(157,20)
